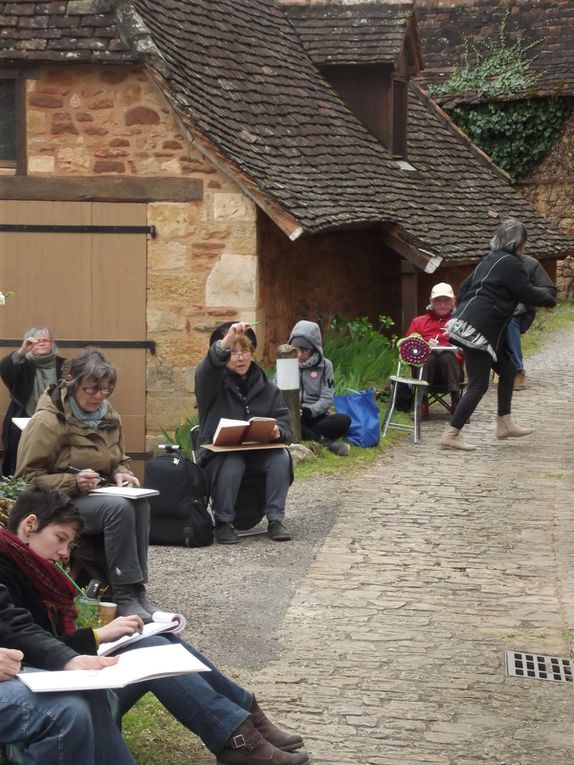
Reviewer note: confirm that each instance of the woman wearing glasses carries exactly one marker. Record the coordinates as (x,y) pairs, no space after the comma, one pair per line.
(26,373)
(74,442)
(228,383)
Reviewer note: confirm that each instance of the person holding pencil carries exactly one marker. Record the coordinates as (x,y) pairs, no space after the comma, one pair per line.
(229,384)
(441,368)
(74,442)
(42,526)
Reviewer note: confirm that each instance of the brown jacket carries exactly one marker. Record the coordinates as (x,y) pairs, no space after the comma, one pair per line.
(54,440)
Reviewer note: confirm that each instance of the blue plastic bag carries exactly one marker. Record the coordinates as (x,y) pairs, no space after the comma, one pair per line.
(365,427)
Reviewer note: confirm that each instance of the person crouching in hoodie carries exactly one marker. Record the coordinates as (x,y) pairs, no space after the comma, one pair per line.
(316,390)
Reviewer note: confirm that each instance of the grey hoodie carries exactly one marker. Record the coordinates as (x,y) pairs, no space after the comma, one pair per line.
(316,383)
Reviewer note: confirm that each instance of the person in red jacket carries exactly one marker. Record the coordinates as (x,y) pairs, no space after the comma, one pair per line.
(444,368)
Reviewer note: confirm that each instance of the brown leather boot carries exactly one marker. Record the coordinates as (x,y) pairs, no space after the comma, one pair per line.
(281,739)
(248,747)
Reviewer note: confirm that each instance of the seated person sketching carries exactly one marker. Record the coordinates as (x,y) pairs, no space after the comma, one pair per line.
(316,390)
(442,368)
(76,427)
(63,728)
(41,527)
(26,373)
(228,383)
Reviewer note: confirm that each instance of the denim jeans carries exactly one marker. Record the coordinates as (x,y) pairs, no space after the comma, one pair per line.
(61,728)
(207,703)
(513,343)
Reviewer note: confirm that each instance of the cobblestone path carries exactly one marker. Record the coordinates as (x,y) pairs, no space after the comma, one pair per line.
(392,649)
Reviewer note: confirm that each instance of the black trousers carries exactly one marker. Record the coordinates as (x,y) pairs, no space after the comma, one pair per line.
(478,366)
(443,368)
(327,426)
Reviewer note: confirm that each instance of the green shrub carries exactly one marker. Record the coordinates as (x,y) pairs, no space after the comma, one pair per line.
(362,356)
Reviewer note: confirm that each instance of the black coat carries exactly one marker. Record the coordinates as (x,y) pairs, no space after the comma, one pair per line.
(221,393)
(488,296)
(22,594)
(19,379)
(18,630)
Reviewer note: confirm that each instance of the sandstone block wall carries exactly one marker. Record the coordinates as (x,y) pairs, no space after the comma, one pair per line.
(202,267)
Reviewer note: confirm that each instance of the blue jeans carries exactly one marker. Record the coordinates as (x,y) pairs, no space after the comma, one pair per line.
(207,703)
(61,728)
(514,344)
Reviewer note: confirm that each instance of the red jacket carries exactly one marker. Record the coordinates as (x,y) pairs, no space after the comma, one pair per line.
(430,327)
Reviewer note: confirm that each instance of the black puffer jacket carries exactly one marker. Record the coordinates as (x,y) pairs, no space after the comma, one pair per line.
(221,393)
(488,296)
(18,630)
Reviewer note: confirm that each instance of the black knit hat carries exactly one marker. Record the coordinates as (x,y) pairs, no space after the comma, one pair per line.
(220,332)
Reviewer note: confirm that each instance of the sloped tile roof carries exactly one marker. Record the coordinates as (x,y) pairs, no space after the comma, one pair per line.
(548,23)
(237,74)
(367,33)
(239,71)
(52,30)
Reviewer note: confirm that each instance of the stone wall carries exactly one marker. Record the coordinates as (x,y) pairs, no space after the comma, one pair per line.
(550,189)
(202,267)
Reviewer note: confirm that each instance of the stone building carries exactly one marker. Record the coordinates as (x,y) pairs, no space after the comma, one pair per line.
(166,165)
(547,31)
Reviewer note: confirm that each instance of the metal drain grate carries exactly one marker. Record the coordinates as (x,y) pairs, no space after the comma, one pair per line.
(538,667)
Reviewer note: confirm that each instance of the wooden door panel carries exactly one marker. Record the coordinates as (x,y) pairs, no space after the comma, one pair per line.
(86,286)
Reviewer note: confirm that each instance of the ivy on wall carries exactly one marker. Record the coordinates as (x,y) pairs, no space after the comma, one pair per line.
(517,135)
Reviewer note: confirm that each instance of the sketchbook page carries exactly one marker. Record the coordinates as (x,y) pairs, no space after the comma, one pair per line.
(21,422)
(130,492)
(260,429)
(132,667)
(229,432)
(161,623)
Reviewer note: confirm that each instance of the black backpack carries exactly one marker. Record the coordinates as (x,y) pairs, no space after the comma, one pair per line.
(180,514)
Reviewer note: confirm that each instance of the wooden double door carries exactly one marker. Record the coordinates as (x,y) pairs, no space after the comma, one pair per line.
(87,285)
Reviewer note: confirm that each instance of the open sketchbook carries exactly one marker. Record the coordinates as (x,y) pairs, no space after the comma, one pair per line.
(232,432)
(21,422)
(130,492)
(133,667)
(162,622)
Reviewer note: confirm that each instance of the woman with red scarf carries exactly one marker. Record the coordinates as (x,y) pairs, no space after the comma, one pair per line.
(42,526)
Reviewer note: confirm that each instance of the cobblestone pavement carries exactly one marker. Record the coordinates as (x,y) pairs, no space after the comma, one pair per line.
(391,651)
(380,631)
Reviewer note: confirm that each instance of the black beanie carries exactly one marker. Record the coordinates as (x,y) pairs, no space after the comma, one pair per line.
(220,332)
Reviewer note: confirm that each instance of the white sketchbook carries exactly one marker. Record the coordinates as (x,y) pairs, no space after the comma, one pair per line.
(162,622)
(21,422)
(130,492)
(132,667)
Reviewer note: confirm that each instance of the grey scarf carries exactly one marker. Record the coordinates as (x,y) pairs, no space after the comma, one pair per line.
(90,419)
(45,375)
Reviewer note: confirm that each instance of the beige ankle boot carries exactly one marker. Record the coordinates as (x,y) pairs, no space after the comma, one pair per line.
(505,428)
(452,439)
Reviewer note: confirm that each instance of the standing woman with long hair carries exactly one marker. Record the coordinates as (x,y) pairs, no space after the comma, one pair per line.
(485,303)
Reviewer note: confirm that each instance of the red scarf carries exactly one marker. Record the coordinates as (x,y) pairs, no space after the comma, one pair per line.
(55,590)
